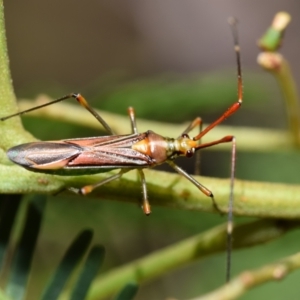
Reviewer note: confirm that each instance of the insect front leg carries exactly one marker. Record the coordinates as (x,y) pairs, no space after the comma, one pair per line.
(227,139)
(197,122)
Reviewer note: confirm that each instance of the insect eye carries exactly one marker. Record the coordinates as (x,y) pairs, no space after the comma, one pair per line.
(190,153)
(185,135)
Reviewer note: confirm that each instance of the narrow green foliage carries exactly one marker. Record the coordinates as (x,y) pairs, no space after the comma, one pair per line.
(70,260)
(128,292)
(89,272)
(162,262)
(8,211)
(16,286)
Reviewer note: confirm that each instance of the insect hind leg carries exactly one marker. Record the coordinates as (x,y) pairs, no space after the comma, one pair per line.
(145,203)
(201,187)
(89,188)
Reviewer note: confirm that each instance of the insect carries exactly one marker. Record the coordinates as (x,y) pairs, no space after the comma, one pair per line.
(134,151)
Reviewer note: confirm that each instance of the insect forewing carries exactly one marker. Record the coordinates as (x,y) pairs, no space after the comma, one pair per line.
(43,155)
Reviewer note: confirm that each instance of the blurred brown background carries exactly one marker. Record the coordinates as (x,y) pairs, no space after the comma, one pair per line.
(97,48)
(74,43)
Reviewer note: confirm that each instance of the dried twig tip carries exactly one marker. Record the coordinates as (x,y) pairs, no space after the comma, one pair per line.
(281,21)
(232,21)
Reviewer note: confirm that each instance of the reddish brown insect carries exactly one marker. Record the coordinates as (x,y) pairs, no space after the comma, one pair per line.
(135,151)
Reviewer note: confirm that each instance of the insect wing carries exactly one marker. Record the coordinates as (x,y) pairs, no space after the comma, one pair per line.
(43,155)
(95,152)
(111,151)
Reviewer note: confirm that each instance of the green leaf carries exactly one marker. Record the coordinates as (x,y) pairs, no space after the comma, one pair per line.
(71,258)
(128,292)
(3,296)
(16,286)
(9,208)
(90,269)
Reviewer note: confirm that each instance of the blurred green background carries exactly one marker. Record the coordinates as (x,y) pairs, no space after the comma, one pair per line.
(172,61)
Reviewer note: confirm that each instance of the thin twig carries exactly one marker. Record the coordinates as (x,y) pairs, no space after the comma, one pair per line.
(249,279)
(278,66)
(187,251)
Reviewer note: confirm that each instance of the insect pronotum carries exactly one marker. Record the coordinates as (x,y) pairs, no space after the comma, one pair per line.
(134,151)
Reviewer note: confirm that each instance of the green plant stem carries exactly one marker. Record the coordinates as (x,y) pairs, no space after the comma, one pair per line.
(8,102)
(288,87)
(165,189)
(276,64)
(171,190)
(249,279)
(11,128)
(3,296)
(184,252)
(279,67)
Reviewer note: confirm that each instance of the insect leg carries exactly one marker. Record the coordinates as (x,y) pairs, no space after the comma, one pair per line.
(235,106)
(145,204)
(227,139)
(80,99)
(231,110)
(89,188)
(197,156)
(230,211)
(131,114)
(196,122)
(200,186)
